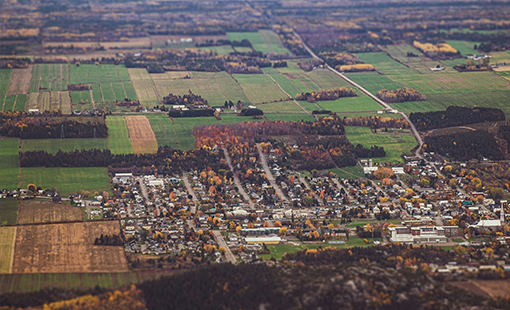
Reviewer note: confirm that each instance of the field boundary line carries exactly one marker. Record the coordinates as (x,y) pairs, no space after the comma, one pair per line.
(12,252)
(289,96)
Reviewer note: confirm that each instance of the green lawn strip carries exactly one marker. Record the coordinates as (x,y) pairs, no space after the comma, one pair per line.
(67,180)
(8,211)
(67,145)
(394,149)
(118,137)
(9,164)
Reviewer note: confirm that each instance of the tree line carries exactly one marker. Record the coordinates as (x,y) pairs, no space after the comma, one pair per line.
(329,94)
(455,116)
(465,145)
(400,95)
(38,128)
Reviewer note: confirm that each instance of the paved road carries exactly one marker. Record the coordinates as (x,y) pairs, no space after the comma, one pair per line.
(143,188)
(340,186)
(228,254)
(190,191)
(366,92)
(236,179)
(269,175)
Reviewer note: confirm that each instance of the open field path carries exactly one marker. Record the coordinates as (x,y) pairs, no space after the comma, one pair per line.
(221,242)
(286,93)
(269,175)
(236,179)
(369,94)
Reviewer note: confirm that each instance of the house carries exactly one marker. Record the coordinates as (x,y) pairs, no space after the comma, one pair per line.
(56,199)
(422,234)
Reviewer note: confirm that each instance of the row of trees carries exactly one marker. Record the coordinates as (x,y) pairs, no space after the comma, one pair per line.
(400,95)
(329,94)
(376,122)
(188,99)
(373,151)
(455,116)
(39,128)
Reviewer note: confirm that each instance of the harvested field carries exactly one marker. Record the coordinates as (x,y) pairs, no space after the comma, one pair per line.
(20,81)
(67,248)
(46,211)
(7,236)
(142,137)
(494,288)
(142,42)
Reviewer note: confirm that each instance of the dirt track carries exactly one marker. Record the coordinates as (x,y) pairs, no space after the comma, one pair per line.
(67,248)
(142,137)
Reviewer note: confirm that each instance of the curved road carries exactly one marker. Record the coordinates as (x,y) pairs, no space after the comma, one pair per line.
(366,92)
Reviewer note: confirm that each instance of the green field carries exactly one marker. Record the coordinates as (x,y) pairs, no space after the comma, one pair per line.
(5,77)
(67,180)
(49,77)
(76,281)
(180,131)
(67,145)
(394,149)
(8,211)
(383,63)
(9,164)
(348,104)
(294,117)
(9,103)
(373,81)
(80,96)
(219,50)
(21,101)
(400,51)
(118,137)
(259,88)
(215,87)
(284,106)
(464,47)
(349,172)
(7,235)
(265,41)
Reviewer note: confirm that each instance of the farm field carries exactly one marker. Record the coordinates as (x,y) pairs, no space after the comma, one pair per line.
(140,132)
(5,77)
(284,81)
(400,51)
(394,149)
(294,117)
(219,50)
(373,81)
(49,77)
(215,87)
(9,103)
(143,86)
(259,88)
(67,248)
(323,79)
(67,180)
(284,106)
(67,145)
(118,137)
(349,104)
(265,41)
(309,106)
(33,282)
(9,163)
(179,134)
(37,211)
(383,63)
(464,47)
(20,81)
(7,236)
(8,211)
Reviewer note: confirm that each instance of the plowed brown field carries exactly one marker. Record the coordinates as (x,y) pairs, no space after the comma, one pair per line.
(67,248)
(20,81)
(142,137)
(46,211)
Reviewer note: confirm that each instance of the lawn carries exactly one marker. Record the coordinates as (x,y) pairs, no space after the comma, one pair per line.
(9,164)
(67,180)
(349,172)
(394,149)
(118,138)
(8,211)
(67,145)
(383,63)
(179,134)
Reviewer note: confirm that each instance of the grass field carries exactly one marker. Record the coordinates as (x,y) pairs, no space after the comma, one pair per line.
(400,51)
(9,103)
(9,164)
(265,41)
(394,149)
(67,180)
(215,87)
(8,211)
(7,235)
(44,211)
(181,130)
(220,50)
(373,81)
(67,145)
(383,63)
(259,88)
(143,86)
(360,103)
(46,77)
(67,248)
(5,77)
(118,138)
(294,117)
(349,172)
(80,96)
(464,47)
(284,106)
